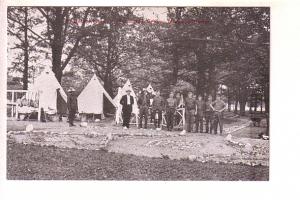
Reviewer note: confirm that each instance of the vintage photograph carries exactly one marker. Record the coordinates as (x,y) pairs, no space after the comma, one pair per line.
(138,93)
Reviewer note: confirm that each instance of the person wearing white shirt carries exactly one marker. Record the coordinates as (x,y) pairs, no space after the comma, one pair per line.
(126,102)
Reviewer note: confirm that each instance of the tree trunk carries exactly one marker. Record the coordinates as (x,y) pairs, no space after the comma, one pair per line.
(261,103)
(236,106)
(111,46)
(200,86)
(228,100)
(255,102)
(266,97)
(243,101)
(242,107)
(108,107)
(26,51)
(175,65)
(236,101)
(57,44)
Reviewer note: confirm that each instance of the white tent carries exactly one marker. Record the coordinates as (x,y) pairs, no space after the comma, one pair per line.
(46,86)
(122,92)
(150,89)
(90,100)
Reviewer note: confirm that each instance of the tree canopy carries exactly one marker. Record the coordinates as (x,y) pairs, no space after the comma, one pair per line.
(198,48)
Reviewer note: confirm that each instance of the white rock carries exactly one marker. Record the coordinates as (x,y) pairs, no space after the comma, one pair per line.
(97,120)
(265,137)
(248,147)
(235,142)
(83,124)
(29,128)
(109,136)
(192,157)
(182,132)
(228,137)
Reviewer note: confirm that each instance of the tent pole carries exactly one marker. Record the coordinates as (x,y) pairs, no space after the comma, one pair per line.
(12,100)
(39,108)
(183,118)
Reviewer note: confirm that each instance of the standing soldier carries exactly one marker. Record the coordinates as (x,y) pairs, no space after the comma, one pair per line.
(218,106)
(190,108)
(143,103)
(72,106)
(126,101)
(200,106)
(170,111)
(208,115)
(157,108)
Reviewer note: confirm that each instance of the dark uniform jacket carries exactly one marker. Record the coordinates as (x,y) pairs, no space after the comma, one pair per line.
(144,101)
(61,104)
(207,106)
(158,103)
(200,107)
(124,103)
(72,103)
(190,104)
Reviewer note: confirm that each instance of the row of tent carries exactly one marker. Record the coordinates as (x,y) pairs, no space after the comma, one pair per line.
(90,100)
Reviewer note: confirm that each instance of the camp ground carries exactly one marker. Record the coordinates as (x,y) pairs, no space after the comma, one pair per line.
(81,79)
(241,142)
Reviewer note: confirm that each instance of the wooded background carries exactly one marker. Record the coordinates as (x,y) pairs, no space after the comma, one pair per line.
(197,48)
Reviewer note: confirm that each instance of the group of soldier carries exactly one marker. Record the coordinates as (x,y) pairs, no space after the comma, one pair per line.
(197,111)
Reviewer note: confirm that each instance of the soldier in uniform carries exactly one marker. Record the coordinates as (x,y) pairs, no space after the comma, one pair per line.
(143,103)
(158,106)
(218,106)
(208,115)
(170,111)
(200,106)
(72,106)
(190,108)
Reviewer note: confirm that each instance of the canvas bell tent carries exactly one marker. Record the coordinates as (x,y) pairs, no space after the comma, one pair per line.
(150,89)
(90,100)
(49,93)
(122,92)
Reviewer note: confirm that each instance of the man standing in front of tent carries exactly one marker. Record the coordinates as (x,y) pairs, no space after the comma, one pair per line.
(126,102)
(143,103)
(72,106)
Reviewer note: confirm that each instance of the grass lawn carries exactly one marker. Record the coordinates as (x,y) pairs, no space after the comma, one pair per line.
(30,162)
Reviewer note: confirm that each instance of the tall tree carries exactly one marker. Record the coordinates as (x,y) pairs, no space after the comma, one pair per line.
(21,22)
(64,35)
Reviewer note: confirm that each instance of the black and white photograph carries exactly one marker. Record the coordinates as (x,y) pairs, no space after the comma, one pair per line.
(138,93)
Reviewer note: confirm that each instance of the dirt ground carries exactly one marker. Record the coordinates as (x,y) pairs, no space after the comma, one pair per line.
(244,147)
(33,162)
